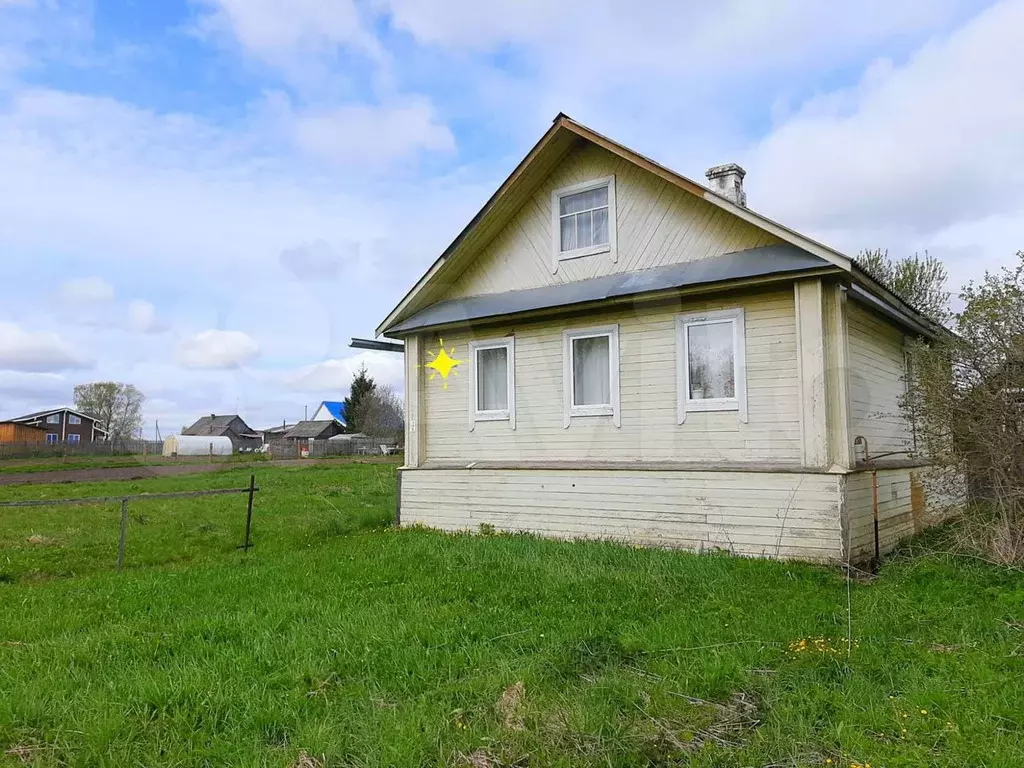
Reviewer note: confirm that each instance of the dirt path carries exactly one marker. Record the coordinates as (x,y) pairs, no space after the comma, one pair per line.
(144,471)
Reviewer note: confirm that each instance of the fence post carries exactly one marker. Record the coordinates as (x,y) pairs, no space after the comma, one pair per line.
(124,534)
(248,513)
(211,453)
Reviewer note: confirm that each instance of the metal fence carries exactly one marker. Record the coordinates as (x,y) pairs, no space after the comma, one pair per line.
(60,450)
(124,499)
(319,449)
(357,446)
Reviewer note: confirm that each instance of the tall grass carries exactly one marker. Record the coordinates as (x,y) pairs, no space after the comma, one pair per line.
(352,643)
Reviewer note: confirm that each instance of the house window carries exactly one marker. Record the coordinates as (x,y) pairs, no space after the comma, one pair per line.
(583,219)
(591,373)
(74,439)
(711,360)
(493,392)
(51,438)
(72,419)
(53,418)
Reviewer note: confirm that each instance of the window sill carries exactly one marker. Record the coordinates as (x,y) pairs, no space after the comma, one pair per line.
(490,416)
(581,252)
(712,405)
(586,411)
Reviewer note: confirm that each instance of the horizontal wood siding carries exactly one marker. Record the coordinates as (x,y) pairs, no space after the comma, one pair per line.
(764,514)
(876,382)
(649,423)
(656,224)
(895,513)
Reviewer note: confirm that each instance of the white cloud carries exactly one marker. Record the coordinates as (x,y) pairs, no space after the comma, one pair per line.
(36,351)
(336,375)
(142,317)
(217,349)
(369,135)
(276,30)
(86,290)
(914,147)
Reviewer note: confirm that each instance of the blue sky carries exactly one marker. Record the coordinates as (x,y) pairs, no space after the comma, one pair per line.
(207,198)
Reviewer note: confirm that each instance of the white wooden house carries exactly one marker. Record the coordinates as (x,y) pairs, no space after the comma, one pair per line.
(635,356)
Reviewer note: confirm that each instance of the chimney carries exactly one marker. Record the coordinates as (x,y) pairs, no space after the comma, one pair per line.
(727,180)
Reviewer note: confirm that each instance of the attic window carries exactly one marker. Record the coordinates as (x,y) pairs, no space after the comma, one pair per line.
(583,219)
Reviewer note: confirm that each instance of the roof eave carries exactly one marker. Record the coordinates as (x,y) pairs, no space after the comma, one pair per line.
(635,298)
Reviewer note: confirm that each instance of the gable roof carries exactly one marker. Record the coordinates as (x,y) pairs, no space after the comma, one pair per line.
(214,425)
(307,429)
(40,414)
(771,260)
(564,134)
(336,408)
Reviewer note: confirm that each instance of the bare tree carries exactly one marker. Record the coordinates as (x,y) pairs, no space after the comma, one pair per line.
(117,407)
(966,397)
(380,414)
(918,280)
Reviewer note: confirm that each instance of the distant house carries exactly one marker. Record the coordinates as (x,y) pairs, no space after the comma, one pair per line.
(275,433)
(314,430)
(331,410)
(63,425)
(242,437)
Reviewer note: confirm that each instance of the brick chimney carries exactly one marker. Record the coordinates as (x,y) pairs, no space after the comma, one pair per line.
(727,180)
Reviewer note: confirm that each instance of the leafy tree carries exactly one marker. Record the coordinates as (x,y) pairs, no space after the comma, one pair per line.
(117,407)
(380,414)
(966,399)
(918,280)
(362,386)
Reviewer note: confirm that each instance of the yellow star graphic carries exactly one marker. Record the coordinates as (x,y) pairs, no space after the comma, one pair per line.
(443,364)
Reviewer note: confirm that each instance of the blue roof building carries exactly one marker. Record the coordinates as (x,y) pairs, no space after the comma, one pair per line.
(331,410)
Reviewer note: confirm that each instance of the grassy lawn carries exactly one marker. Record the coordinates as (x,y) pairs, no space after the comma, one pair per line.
(356,644)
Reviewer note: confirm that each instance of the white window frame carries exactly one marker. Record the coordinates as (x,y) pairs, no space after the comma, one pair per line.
(53,418)
(571,410)
(72,419)
(738,403)
(556,227)
(509,414)
(55,440)
(74,438)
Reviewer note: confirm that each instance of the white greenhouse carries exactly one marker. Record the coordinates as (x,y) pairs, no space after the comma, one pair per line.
(197,445)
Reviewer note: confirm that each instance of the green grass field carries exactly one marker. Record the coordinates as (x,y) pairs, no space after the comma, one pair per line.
(339,641)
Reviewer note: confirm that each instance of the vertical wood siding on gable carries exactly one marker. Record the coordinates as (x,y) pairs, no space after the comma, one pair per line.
(786,515)
(650,430)
(876,382)
(656,223)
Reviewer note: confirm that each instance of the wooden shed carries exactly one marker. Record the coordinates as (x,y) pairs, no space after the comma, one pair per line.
(12,432)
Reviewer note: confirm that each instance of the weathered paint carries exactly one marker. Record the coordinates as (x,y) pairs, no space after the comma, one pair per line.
(810,339)
(877,382)
(895,512)
(657,223)
(760,514)
(649,430)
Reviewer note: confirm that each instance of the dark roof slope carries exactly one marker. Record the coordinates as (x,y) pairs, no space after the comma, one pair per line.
(306,429)
(218,425)
(753,262)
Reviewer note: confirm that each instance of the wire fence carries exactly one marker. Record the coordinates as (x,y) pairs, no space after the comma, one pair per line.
(124,499)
